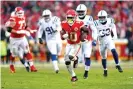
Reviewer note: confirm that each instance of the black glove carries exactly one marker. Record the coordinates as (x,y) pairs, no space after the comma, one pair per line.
(40,41)
(9,29)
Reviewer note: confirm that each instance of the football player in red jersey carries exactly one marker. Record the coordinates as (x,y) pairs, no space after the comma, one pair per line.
(19,46)
(72,31)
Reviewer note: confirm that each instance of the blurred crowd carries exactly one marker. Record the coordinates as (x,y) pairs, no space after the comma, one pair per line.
(121,11)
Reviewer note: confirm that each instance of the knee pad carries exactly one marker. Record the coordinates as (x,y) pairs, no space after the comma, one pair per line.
(70,57)
(67,62)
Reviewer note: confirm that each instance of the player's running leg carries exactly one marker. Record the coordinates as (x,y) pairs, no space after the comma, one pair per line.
(53,48)
(29,58)
(111,46)
(86,49)
(12,60)
(22,59)
(104,64)
(115,56)
(71,71)
(103,53)
(87,67)
(54,61)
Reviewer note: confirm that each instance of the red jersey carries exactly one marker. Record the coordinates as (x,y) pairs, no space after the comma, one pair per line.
(20,24)
(73,31)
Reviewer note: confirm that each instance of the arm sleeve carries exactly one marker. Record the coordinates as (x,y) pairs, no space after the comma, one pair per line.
(40,32)
(94,31)
(114,31)
(58,23)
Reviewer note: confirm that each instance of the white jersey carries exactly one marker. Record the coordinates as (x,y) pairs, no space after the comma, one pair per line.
(104,31)
(51,29)
(88,22)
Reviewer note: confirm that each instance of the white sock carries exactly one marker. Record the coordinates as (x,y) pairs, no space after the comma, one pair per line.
(71,71)
(117,64)
(31,63)
(87,68)
(55,65)
(105,69)
(26,64)
(12,63)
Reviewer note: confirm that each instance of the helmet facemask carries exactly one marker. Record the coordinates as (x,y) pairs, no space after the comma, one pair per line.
(20,14)
(81,14)
(70,20)
(102,19)
(46,18)
(47,15)
(102,16)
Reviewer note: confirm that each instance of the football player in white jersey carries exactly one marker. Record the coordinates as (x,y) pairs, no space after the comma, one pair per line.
(87,45)
(51,26)
(106,33)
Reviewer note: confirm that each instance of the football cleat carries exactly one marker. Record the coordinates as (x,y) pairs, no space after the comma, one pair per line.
(27,69)
(33,69)
(105,73)
(119,68)
(12,69)
(85,75)
(73,79)
(75,63)
(57,71)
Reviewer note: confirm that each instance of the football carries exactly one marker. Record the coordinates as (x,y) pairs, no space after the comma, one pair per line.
(84,36)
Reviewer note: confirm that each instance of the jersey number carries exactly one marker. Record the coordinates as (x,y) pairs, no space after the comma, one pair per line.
(21,24)
(73,36)
(104,32)
(50,30)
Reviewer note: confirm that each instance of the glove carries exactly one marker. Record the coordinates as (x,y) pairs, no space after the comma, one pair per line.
(40,41)
(65,36)
(94,42)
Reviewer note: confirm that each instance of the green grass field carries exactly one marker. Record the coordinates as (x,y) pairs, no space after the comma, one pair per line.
(45,78)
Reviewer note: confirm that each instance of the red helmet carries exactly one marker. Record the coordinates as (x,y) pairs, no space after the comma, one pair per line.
(19,12)
(71,16)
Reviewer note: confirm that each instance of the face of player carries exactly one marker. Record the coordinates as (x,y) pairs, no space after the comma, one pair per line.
(20,14)
(46,18)
(70,20)
(102,19)
(81,13)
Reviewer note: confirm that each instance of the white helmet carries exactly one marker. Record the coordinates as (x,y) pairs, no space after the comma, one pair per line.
(102,16)
(81,10)
(47,15)
(13,14)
